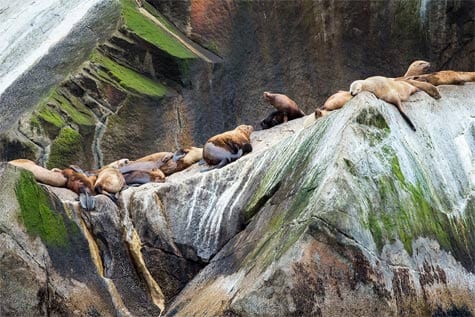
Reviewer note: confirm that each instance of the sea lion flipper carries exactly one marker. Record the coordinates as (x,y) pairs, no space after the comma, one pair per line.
(406,118)
(202,162)
(87,201)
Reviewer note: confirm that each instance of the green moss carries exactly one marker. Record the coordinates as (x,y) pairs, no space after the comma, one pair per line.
(78,113)
(151,32)
(407,214)
(51,115)
(65,148)
(37,214)
(396,168)
(127,78)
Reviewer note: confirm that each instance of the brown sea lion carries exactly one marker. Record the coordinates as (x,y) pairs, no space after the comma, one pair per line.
(142,177)
(41,174)
(182,159)
(160,156)
(81,184)
(109,181)
(445,77)
(334,102)
(143,166)
(273,119)
(417,68)
(387,89)
(117,164)
(287,109)
(227,147)
(339,99)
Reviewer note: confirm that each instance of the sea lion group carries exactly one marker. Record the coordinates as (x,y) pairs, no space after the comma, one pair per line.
(229,146)
(397,90)
(109,180)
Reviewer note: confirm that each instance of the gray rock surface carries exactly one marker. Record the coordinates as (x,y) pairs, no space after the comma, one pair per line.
(355,214)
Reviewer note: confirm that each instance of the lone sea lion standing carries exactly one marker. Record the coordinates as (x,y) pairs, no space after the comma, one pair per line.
(387,89)
(227,147)
(287,109)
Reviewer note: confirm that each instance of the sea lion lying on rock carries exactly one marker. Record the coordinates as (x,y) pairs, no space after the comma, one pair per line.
(417,68)
(138,177)
(445,77)
(387,89)
(109,181)
(41,174)
(339,99)
(81,184)
(227,147)
(182,159)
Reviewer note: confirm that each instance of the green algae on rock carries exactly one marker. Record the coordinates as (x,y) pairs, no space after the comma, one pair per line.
(65,148)
(152,33)
(37,214)
(127,78)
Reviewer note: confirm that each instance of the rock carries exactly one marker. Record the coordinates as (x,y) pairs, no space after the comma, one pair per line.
(357,214)
(153,69)
(46,263)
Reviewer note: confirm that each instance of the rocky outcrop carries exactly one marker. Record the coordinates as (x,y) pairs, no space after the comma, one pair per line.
(356,214)
(150,86)
(126,98)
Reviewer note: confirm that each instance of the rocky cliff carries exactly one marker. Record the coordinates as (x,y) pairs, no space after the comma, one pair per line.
(171,74)
(354,215)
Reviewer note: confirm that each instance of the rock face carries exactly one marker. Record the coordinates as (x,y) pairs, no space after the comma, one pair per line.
(151,86)
(311,49)
(355,214)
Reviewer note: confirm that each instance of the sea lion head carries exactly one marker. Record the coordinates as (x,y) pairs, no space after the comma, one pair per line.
(356,87)
(267,96)
(318,113)
(246,129)
(421,66)
(119,163)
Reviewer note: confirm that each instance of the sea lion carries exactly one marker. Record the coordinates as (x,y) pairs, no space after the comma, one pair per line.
(417,68)
(41,174)
(117,164)
(387,89)
(138,177)
(445,77)
(273,119)
(160,156)
(227,147)
(81,184)
(287,109)
(182,159)
(334,102)
(109,181)
(142,166)
(339,99)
